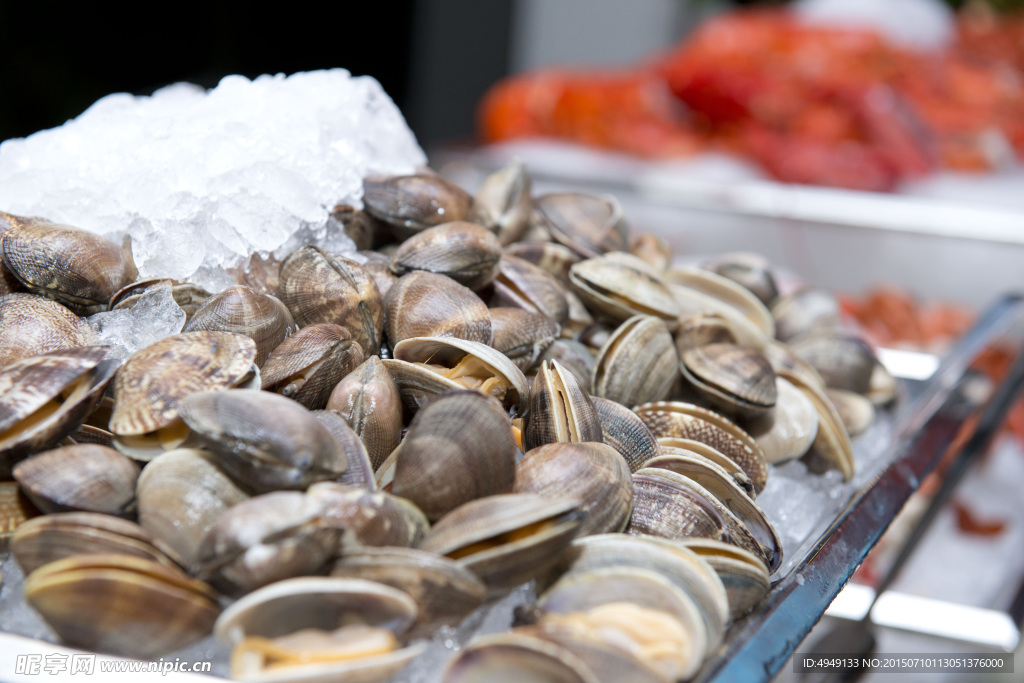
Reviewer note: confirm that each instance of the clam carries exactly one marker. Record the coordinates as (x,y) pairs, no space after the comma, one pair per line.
(512,657)
(42,540)
(15,510)
(523,285)
(358,225)
(465,252)
(239,309)
(414,202)
(378,265)
(371,518)
(308,365)
(652,249)
(83,477)
(613,661)
(506,539)
(444,591)
(559,410)
(664,507)
(736,379)
(268,538)
(75,267)
(587,224)
(181,495)
(153,382)
(574,356)
(555,258)
(43,398)
(522,335)
(319,629)
(426,366)
(672,445)
(806,310)
(368,399)
(625,431)
(360,470)
(687,421)
(701,291)
(443,464)
(121,604)
(423,304)
(502,203)
(831,442)
(791,427)
(638,363)
(844,361)
(320,287)
(619,290)
(639,603)
(31,325)
(265,441)
(592,473)
(744,575)
(751,271)
(855,411)
(684,568)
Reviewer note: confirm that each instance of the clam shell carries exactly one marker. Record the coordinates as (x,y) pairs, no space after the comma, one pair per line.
(241,310)
(42,540)
(423,304)
(524,285)
(621,290)
(444,591)
(559,410)
(742,573)
(831,442)
(360,470)
(522,335)
(84,477)
(307,366)
(506,539)
(625,431)
(589,225)
(31,325)
(735,378)
(443,465)
(413,202)
(503,204)
(369,400)
(638,363)
(76,267)
(512,657)
(664,508)
(790,429)
(465,252)
(592,473)
(687,421)
(263,440)
(844,361)
(181,495)
(153,382)
(726,291)
(121,605)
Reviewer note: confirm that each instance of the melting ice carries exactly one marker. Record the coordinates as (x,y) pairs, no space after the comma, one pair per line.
(200,180)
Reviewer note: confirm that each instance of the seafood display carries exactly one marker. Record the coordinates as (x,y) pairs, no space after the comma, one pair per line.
(330,463)
(826,105)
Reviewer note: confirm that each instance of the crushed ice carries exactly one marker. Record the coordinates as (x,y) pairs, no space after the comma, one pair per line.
(154,316)
(203,179)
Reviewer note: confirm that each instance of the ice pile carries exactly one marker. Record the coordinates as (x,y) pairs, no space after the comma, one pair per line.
(154,316)
(202,179)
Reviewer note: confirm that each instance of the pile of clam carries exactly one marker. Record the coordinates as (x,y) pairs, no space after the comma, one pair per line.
(345,452)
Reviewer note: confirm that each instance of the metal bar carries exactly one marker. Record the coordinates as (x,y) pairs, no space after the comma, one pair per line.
(759,645)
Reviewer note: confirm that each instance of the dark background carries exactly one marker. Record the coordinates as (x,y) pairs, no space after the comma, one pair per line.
(434,57)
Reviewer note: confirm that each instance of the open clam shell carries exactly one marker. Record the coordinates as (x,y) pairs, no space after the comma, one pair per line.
(725,291)
(831,442)
(288,611)
(670,559)
(559,409)
(44,398)
(506,539)
(671,445)
(121,604)
(641,588)
(426,366)
(153,382)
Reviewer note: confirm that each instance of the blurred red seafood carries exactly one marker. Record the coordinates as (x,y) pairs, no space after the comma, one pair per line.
(822,105)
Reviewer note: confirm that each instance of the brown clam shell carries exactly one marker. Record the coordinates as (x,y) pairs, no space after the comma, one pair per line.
(307,366)
(465,252)
(31,325)
(242,310)
(368,399)
(423,304)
